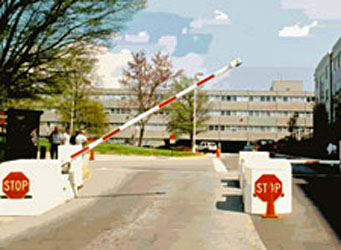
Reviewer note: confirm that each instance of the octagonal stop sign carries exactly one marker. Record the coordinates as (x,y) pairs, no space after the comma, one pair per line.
(269,188)
(15,185)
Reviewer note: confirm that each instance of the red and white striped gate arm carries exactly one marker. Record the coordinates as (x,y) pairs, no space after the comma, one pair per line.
(233,64)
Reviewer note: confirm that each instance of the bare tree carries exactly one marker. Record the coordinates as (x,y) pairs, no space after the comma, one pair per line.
(145,77)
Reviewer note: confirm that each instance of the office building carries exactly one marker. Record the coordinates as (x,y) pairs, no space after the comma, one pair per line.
(328,80)
(235,116)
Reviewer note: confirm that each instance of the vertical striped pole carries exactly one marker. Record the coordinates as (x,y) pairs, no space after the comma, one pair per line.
(233,64)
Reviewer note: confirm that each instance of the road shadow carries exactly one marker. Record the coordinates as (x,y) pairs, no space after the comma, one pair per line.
(322,187)
(231,183)
(232,203)
(120,195)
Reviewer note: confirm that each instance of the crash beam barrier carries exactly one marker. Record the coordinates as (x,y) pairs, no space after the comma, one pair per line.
(233,64)
(32,187)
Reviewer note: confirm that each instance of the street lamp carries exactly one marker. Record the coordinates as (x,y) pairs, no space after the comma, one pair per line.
(195,114)
(194,120)
(235,63)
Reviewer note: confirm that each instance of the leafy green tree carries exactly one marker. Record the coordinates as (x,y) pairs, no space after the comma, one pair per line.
(321,127)
(90,116)
(35,33)
(292,123)
(180,113)
(145,78)
(74,104)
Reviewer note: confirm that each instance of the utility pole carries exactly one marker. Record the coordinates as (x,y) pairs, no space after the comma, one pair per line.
(194,120)
(72,115)
(195,113)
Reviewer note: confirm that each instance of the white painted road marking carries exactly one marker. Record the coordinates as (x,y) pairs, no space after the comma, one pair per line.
(218,165)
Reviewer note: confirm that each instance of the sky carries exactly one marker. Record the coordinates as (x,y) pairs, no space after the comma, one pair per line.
(276,39)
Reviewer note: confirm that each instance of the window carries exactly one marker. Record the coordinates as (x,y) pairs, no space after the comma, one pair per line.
(242,98)
(226,113)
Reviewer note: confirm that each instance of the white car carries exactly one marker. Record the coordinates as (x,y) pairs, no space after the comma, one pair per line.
(207,146)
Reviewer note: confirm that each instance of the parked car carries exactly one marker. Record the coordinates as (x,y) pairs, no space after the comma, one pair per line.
(265,145)
(183,148)
(207,146)
(248,147)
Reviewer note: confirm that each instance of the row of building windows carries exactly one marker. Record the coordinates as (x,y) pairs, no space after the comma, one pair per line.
(163,127)
(122,111)
(147,126)
(261,98)
(233,98)
(255,128)
(337,62)
(118,111)
(336,65)
(260,113)
(120,96)
(226,113)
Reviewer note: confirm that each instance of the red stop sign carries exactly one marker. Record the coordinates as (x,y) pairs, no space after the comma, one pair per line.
(268,187)
(15,185)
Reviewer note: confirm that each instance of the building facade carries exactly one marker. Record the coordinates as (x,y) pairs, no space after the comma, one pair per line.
(235,116)
(328,80)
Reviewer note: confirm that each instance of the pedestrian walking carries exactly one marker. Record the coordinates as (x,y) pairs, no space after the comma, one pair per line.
(73,138)
(34,141)
(56,139)
(81,138)
(67,136)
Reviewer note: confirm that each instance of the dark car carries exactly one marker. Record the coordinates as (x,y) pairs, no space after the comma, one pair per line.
(265,145)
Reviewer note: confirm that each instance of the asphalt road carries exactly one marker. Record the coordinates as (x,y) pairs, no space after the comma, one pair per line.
(167,203)
(315,222)
(158,204)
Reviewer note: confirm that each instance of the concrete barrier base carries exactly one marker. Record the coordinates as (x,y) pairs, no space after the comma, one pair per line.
(32,187)
(279,169)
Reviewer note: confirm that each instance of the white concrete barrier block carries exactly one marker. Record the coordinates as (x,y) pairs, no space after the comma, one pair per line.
(245,156)
(76,170)
(254,170)
(32,187)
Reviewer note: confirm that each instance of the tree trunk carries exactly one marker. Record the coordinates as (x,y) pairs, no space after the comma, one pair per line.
(191,139)
(141,134)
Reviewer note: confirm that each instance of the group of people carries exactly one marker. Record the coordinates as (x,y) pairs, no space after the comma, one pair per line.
(56,138)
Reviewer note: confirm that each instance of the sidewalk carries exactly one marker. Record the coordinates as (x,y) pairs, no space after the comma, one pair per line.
(12,226)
